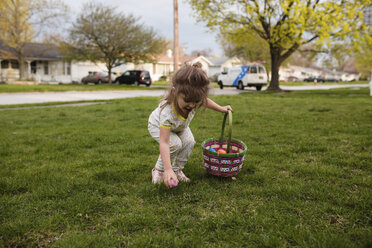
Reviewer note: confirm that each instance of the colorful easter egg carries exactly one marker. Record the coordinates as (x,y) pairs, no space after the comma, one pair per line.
(222,151)
(211,149)
(173,183)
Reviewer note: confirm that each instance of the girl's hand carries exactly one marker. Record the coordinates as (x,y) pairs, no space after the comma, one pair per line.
(168,175)
(225,109)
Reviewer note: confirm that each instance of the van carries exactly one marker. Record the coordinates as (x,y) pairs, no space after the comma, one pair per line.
(251,75)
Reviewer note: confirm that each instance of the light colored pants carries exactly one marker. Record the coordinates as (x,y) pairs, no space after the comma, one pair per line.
(180,147)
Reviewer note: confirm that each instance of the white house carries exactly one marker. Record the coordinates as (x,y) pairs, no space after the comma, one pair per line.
(44,63)
(297,73)
(218,64)
(164,64)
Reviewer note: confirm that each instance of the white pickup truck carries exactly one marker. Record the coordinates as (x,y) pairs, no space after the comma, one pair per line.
(251,75)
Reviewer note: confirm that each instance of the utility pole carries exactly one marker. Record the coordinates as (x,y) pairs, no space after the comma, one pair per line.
(175,38)
(368,21)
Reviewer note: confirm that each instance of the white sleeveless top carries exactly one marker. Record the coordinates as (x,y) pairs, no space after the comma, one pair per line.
(167,117)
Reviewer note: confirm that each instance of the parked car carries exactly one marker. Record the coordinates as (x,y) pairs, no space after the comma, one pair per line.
(293,79)
(333,80)
(315,79)
(252,75)
(135,77)
(97,78)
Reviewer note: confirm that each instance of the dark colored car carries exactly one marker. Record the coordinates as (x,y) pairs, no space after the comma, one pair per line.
(135,77)
(314,79)
(333,80)
(96,78)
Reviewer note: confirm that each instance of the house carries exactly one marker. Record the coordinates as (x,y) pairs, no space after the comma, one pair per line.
(163,67)
(218,65)
(298,73)
(43,63)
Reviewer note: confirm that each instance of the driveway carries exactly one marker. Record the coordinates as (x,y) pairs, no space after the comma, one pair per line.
(43,97)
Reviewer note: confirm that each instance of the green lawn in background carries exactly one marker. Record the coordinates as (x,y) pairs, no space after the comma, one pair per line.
(77,87)
(307,83)
(81,176)
(155,86)
(326,83)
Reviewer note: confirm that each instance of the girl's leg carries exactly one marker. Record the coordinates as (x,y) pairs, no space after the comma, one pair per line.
(175,145)
(184,153)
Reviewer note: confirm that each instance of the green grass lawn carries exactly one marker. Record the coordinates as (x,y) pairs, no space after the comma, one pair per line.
(4,88)
(81,176)
(326,83)
(76,87)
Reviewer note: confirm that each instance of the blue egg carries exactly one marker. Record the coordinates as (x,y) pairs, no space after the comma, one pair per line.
(211,149)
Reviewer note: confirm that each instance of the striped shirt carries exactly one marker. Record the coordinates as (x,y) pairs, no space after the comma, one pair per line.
(168,118)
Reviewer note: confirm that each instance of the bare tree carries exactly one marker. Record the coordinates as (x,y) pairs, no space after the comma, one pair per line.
(102,34)
(204,52)
(22,21)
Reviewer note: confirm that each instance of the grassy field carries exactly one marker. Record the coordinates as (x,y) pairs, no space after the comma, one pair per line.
(326,83)
(76,87)
(81,176)
(310,83)
(155,86)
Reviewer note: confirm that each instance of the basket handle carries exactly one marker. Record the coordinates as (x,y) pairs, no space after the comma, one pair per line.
(230,130)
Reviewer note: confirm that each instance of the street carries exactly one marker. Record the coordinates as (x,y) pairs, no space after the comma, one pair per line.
(70,96)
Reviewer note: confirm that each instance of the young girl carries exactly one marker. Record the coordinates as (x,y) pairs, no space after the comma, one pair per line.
(169,122)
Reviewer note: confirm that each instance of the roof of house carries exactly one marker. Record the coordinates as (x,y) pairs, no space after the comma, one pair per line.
(182,59)
(32,51)
(219,61)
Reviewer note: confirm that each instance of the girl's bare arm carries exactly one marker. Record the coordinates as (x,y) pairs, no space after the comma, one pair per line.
(165,157)
(212,105)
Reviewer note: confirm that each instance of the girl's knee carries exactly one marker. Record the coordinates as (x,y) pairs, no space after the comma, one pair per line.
(175,145)
(190,142)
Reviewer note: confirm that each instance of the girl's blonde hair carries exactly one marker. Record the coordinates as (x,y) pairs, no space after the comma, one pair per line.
(190,80)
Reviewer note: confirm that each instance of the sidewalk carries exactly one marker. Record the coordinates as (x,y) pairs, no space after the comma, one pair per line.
(70,96)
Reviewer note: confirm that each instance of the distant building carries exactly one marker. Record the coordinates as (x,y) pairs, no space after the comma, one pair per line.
(294,73)
(218,65)
(43,63)
(163,67)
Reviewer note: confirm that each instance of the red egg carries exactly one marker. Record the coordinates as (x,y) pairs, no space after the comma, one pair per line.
(221,151)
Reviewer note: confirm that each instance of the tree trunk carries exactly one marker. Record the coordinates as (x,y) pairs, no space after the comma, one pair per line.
(21,62)
(109,74)
(275,64)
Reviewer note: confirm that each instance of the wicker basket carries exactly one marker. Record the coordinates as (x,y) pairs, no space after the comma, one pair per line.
(219,164)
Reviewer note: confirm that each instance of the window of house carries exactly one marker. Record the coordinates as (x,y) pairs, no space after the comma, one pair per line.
(14,64)
(46,68)
(4,64)
(154,68)
(161,69)
(68,68)
(33,67)
(253,69)
(167,69)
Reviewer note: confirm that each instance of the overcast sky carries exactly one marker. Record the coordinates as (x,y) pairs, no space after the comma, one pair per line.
(159,15)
